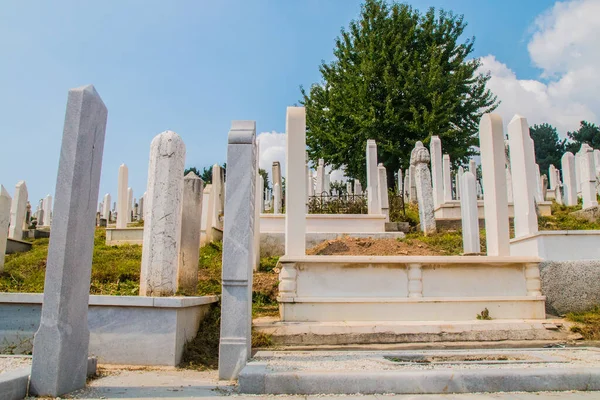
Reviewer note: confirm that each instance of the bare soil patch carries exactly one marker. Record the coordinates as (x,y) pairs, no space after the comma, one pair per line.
(374,247)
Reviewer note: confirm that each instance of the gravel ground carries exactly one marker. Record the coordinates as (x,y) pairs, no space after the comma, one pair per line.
(372,361)
(10,363)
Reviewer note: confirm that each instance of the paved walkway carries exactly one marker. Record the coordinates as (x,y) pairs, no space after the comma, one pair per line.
(167,383)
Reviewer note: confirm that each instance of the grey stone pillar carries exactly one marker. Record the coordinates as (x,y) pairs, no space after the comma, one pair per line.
(238,240)
(61,342)
(191,219)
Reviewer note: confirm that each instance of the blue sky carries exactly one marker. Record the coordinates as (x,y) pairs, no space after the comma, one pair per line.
(192,67)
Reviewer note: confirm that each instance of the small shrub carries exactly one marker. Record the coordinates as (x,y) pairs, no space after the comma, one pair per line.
(485,315)
(268,264)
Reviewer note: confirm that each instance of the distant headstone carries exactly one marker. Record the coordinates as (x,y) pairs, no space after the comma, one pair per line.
(384,203)
(569,178)
(5,203)
(130,205)
(469,214)
(106,208)
(122,196)
(60,346)
(320,176)
(447,179)
(372,179)
(162,227)
(276,199)
(437,175)
(187,276)
(419,158)
(18,212)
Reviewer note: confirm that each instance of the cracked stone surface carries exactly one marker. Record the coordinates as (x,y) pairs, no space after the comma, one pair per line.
(162,227)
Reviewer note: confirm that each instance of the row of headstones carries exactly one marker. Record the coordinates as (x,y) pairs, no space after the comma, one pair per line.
(126,203)
(579,177)
(16,217)
(449,189)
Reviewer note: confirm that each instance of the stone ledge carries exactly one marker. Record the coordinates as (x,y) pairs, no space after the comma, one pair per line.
(118,301)
(422,260)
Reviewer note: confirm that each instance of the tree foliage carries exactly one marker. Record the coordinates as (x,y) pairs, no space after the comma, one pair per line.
(549,148)
(587,133)
(265,176)
(398,76)
(206,173)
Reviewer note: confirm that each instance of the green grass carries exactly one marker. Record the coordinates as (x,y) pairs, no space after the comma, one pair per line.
(448,243)
(587,323)
(115,270)
(561,219)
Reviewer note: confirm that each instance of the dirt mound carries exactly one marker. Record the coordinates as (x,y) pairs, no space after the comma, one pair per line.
(373,247)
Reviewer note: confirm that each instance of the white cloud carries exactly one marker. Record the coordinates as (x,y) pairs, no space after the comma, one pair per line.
(272,148)
(563,46)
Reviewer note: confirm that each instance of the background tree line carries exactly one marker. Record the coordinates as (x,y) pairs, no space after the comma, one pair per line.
(549,147)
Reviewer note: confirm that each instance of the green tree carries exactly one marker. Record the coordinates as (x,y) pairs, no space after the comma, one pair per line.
(265,176)
(398,76)
(549,148)
(587,133)
(206,173)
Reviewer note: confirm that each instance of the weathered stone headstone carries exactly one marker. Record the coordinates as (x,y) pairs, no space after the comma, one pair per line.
(238,237)
(277,190)
(588,177)
(162,227)
(106,208)
(191,219)
(47,207)
(569,177)
(493,161)
(372,179)
(447,179)
(327,183)
(419,158)
(348,188)
(458,177)
(18,211)
(276,199)
(295,199)
(122,196)
(412,185)
(544,180)
(578,172)
(406,188)
(129,204)
(539,192)
(473,168)
(552,176)
(469,214)
(5,203)
(437,175)
(357,188)
(384,203)
(524,183)
(141,208)
(400,183)
(61,342)
(320,176)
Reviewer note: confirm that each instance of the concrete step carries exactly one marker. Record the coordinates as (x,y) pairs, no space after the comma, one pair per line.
(421,372)
(393,332)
